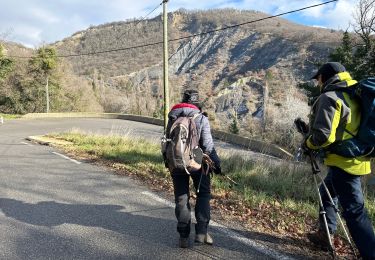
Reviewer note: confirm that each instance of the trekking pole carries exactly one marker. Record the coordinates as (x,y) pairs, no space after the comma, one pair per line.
(231,180)
(303,129)
(200,180)
(211,164)
(315,170)
(338,215)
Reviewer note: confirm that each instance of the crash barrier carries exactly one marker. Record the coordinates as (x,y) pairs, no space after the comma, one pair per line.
(247,143)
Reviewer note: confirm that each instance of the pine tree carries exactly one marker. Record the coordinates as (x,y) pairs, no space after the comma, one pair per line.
(233,127)
(45,60)
(42,67)
(344,53)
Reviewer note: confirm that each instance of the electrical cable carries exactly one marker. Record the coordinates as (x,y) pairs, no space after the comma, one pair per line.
(144,17)
(141,19)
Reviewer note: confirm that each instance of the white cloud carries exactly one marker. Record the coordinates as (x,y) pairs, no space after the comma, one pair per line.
(342,15)
(43,15)
(316,12)
(29,35)
(54,20)
(319,26)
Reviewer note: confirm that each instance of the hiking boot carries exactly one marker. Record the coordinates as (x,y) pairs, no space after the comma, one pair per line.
(183,242)
(320,239)
(204,238)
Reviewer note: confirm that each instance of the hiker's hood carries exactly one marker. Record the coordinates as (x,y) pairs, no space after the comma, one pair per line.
(183,109)
(338,81)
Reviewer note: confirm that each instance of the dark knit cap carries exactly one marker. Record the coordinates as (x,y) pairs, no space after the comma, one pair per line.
(191,96)
(328,70)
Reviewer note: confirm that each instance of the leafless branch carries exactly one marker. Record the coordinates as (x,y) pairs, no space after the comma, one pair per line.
(365,21)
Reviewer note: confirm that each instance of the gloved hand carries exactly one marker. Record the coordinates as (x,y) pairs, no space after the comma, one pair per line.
(217,170)
(302,127)
(214,165)
(215,162)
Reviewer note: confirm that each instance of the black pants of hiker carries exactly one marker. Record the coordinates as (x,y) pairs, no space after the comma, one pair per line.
(202,205)
(346,188)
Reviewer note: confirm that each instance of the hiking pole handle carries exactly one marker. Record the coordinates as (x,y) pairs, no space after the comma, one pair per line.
(208,161)
(211,164)
(314,164)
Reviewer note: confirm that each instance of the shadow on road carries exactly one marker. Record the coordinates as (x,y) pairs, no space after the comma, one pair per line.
(137,226)
(109,217)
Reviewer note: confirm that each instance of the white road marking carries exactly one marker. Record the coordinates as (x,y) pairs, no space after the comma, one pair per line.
(26,143)
(229,233)
(159,199)
(66,157)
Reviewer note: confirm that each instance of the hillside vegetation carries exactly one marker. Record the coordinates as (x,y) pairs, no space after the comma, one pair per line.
(23,83)
(246,76)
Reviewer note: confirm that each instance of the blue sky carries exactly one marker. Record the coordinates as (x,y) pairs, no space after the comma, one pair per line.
(36,22)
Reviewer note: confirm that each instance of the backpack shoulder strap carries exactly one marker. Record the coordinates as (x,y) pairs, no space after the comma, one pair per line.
(196,115)
(351,91)
(200,125)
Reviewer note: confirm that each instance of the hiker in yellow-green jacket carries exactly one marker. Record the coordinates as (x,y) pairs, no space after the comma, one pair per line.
(336,116)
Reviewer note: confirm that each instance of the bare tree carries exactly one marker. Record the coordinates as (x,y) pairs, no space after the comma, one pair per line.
(365,21)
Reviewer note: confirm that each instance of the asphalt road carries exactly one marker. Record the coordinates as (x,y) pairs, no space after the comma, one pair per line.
(55,208)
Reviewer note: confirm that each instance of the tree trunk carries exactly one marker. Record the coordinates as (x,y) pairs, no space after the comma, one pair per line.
(47,96)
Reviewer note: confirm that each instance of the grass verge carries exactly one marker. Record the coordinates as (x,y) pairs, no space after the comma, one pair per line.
(278,198)
(10,116)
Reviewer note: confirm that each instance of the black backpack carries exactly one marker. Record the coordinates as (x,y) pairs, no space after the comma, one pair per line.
(362,144)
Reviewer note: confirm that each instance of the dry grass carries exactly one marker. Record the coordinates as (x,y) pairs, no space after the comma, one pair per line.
(259,181)
(275,198)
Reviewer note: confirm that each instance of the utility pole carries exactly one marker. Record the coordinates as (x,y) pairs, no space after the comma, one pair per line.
(165,64)
(47,96)
(265,104)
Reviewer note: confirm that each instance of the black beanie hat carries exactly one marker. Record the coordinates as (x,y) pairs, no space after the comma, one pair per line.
(328,70)
(191,96)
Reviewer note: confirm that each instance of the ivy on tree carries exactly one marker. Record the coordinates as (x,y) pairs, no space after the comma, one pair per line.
(6,64)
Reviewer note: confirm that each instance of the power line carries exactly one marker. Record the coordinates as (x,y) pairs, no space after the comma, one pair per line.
(186,37)
(140,20)
(144,17)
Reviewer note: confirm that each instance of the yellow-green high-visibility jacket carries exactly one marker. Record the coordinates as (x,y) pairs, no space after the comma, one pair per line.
(333,116)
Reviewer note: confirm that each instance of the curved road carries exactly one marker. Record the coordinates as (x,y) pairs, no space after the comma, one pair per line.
(55,208)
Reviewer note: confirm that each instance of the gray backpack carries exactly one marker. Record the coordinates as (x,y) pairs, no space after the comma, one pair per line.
(181,150)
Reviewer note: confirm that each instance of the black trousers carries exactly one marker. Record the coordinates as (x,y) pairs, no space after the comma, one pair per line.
(182,197)
(346,189)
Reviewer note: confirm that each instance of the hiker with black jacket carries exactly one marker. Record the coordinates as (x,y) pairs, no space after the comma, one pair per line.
(335,117)
(190,107)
